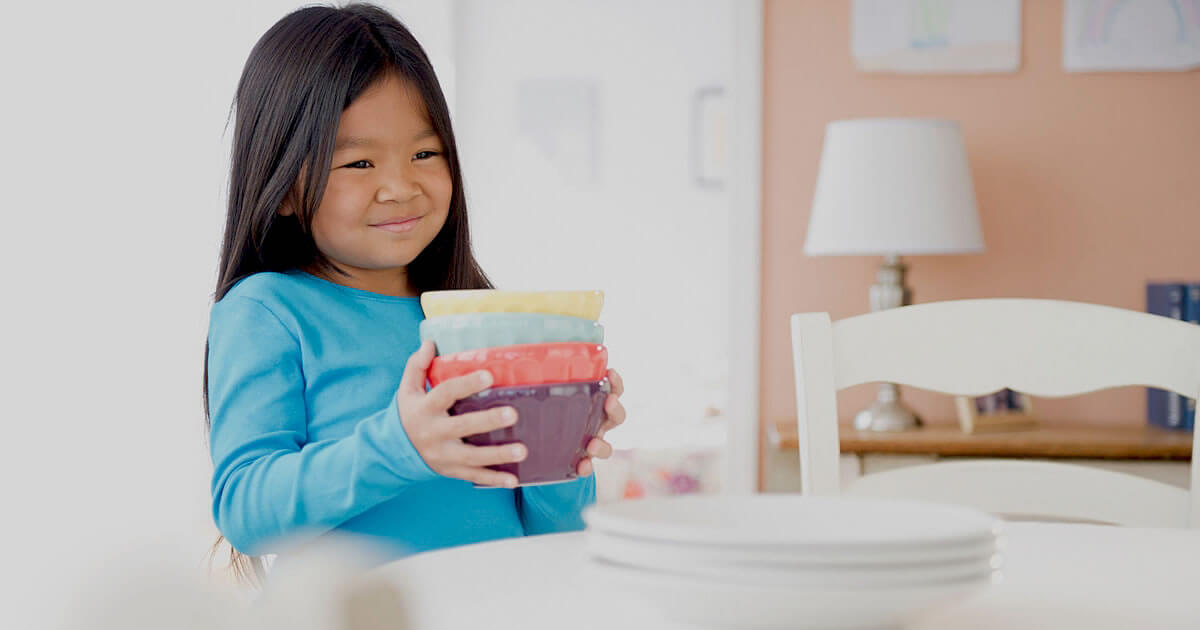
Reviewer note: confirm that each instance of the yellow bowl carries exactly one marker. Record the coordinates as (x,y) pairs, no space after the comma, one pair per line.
(586,304)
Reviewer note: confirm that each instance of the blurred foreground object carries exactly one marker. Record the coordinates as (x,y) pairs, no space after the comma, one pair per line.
(323,585)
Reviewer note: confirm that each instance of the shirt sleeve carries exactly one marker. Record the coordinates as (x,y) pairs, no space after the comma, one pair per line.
(269,482)
(556,507)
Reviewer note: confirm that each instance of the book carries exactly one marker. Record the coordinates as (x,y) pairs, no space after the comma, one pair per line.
(1191,313)
(1165,409)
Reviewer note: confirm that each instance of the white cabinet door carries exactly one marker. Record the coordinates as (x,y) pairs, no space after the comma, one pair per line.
(595,141)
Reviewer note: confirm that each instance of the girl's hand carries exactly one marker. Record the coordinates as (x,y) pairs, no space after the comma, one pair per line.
(437,435)
(599,448)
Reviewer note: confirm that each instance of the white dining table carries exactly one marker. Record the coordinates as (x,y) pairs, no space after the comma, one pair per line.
(1055,575)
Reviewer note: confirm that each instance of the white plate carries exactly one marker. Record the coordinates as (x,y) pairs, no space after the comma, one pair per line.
(794,521)
(806,577)
(669,555)
(715,603)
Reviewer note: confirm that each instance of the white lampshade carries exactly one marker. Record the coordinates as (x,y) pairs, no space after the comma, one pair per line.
(893,186)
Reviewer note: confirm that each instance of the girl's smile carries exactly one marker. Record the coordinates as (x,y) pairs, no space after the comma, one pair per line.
(399,224)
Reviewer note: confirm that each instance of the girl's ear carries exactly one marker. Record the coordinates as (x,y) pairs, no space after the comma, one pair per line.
(287,207)
(290,203)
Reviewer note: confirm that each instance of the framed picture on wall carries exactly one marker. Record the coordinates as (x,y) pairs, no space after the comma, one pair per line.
(1003,410)
(936,36)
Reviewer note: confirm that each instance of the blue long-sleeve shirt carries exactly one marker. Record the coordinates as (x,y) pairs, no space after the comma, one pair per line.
(306,436)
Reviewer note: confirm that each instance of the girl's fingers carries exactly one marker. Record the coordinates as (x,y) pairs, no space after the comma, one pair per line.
(476,422)
(482,476)
(450,391)
(599,448)
(413,380)
(585,467)
(618,385)
(614,412)
(479,456)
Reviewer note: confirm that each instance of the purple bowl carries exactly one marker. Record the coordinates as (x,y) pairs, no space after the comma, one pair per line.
(555,422)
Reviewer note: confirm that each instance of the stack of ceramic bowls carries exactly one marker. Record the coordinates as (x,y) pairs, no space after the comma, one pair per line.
(545,352)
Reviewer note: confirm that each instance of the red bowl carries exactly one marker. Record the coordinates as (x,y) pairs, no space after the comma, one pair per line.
(554,422)
(526,364)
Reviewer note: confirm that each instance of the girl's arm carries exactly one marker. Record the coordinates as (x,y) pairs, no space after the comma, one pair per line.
(270,482)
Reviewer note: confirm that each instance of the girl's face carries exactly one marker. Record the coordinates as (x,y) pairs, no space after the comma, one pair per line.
(388,191)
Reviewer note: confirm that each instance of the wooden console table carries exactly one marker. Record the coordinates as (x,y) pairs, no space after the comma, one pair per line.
(1141,450)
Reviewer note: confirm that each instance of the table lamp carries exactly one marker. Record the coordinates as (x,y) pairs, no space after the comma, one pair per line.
(893,187)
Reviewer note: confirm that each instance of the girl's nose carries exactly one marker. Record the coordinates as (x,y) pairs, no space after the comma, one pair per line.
(399,186)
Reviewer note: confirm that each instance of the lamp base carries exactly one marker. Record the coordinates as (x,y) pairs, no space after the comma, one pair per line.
(887,413)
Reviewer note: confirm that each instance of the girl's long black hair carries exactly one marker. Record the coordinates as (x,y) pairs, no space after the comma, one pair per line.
(300,76)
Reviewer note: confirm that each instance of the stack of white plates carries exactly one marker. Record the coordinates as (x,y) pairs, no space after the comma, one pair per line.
(774,561)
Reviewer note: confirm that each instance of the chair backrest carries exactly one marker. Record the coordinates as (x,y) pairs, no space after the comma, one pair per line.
(1045,348)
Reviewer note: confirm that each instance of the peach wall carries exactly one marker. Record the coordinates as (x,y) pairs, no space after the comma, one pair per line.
(1088,185)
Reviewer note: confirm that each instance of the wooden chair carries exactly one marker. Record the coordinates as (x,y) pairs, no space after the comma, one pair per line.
(971,347)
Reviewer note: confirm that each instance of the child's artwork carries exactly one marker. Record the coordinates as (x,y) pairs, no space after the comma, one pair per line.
(1103,35)
(937,36)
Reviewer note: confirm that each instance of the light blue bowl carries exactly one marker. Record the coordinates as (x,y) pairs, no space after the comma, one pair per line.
(472,331)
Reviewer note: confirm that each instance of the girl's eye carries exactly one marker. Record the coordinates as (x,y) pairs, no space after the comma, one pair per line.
(425,155)
(359,164)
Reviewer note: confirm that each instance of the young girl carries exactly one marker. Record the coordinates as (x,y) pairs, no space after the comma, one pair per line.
(345,203)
